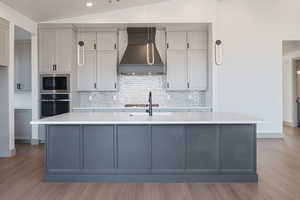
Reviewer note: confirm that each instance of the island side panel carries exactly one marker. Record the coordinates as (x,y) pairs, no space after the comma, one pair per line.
(238,148)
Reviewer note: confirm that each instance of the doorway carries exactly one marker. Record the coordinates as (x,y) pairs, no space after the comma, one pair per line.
(291,83)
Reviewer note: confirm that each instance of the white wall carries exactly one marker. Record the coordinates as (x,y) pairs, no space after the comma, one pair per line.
(24,22)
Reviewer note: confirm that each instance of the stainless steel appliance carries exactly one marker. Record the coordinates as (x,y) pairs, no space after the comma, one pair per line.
(55,94)
(54,104)
(55,83)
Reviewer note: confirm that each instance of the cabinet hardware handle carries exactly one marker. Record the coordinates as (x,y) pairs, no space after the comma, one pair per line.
(115,85)
(95,46)
(188,45)
(115,46)
(54,67)
(95,85)
(167,45)
(168,85)
(188,85)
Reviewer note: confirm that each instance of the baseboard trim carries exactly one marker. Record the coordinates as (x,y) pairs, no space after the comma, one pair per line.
(285,123)
(22,141)
(269,135)
(10,153)
(35,141)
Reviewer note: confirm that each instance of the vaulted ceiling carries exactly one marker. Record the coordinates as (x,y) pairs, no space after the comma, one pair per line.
(46,10)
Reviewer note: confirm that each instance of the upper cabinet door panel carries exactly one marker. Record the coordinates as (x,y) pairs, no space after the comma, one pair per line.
(87,72)
(107,70)
(4,45)
(64,50)
(89,39)
(197,40)
(106,41)
(197,65)
(176,40)
(177,70)
(47,49)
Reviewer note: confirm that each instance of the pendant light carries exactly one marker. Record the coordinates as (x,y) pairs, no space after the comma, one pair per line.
(150,42)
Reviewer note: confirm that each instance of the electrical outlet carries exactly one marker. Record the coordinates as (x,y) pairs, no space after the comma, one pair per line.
(114,97)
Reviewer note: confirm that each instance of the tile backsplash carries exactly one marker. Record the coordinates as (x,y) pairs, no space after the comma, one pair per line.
(135,89)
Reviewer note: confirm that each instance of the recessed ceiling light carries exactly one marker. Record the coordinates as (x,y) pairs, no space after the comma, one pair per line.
(89,4)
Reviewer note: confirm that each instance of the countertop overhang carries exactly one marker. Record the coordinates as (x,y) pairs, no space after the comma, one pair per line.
(157,118)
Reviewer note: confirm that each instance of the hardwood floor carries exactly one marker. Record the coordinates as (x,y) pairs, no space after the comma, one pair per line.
(278,169)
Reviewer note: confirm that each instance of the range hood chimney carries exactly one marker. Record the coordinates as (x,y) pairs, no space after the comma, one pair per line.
(141,55)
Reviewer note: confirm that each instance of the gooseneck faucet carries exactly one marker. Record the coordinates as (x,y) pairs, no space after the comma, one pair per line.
(150,110)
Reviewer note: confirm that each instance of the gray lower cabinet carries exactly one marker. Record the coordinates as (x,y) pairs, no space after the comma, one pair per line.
(22,125)
(168,148)
(63,148)
(133,148)
(202,148)
(98,152)
(160,153)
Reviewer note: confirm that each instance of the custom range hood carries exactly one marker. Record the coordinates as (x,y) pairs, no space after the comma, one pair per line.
(141,55)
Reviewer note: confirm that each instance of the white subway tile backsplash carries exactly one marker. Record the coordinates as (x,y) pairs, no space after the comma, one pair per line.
(135,89)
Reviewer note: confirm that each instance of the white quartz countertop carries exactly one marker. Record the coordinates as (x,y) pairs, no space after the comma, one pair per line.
(141,108)
(144,118)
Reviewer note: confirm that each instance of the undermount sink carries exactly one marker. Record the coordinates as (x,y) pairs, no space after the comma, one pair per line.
(146,114)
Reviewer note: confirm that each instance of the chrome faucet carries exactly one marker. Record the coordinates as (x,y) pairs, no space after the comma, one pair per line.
(150,110)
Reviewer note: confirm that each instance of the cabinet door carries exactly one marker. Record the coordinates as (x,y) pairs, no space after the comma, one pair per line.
(238,148)
(98,147)
(22,124)
(47,50)
(176,70)
(197,40)
(63,148)
(133,148)
(87,73)
(106,41)
(197,69)
(203,147)
(107,70)
(64,50)
(168,148)
(23,65)
(89,39)
(176,40)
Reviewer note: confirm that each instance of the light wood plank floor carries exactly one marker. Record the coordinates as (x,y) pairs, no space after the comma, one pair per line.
(278,169)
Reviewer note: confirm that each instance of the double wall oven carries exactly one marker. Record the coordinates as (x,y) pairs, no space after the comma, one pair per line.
(54,94)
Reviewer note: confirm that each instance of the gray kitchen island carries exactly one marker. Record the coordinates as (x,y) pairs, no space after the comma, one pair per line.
(135,147)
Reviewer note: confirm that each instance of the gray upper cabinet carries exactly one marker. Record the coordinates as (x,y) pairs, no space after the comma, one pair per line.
(4,43)
(100,59)
(56,48)
(23,65)
(187,60)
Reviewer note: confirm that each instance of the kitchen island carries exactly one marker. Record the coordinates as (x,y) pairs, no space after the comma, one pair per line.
(134,147)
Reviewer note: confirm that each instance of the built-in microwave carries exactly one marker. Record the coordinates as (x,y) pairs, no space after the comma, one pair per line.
(55,83)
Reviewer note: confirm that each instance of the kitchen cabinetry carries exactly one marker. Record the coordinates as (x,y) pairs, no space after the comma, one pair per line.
(187,60)
(22,124)
(100,62)
(56,47)
(4,43)
(86,79)
(23,65)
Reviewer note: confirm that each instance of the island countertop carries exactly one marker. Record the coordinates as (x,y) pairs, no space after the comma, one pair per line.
(144,118)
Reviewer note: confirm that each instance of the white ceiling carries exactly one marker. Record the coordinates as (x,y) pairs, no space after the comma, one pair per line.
(46,10)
